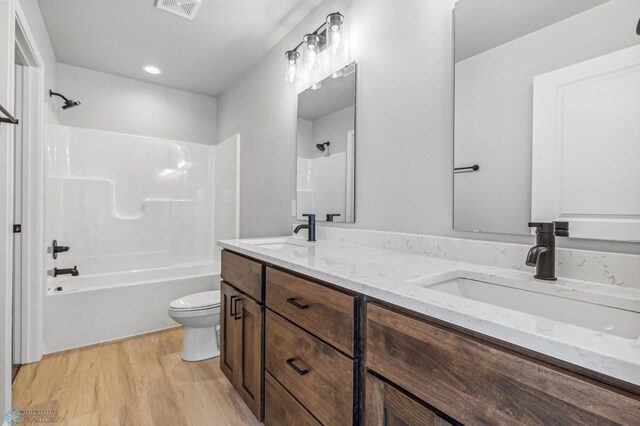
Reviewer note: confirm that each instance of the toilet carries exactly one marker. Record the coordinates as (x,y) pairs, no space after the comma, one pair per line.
(199,313)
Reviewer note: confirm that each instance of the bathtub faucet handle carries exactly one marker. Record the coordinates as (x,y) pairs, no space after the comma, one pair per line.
(55,249)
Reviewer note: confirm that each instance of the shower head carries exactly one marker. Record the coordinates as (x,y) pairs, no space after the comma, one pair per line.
(71,104)
(68,103)
(321,147)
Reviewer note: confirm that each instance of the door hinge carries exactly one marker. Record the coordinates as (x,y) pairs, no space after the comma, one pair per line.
(17,229)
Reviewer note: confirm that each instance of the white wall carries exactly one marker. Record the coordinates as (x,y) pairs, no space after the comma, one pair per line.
(226,197)
(494,98)
(404,149)
(129,106)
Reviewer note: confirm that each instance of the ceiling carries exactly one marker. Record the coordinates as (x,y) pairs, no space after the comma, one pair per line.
(206,55)
(481,25)
(334,94)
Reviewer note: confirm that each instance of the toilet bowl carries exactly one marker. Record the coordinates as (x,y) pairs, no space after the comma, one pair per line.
(199,313)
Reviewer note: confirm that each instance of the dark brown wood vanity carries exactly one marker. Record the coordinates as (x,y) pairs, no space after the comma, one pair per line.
(302,352)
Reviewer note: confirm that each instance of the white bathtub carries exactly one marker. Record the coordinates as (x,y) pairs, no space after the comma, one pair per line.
(97,308)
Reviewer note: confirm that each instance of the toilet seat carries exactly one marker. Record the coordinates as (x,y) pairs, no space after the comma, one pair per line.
(205,300)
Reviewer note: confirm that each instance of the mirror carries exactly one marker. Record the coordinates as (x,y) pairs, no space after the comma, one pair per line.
(326,148)
(547,106)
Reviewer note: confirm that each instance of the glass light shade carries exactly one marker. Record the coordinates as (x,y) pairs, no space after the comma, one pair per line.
(310,51)
(334,33)
(291,72)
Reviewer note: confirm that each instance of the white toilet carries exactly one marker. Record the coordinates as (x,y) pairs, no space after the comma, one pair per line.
(199,313)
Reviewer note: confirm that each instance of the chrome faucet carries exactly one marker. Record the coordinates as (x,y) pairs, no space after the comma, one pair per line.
(543,254)
(311,226)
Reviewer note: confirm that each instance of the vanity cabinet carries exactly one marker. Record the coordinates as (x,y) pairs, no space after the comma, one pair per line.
(475,382)
(305,352)
(309,351)
(241,329)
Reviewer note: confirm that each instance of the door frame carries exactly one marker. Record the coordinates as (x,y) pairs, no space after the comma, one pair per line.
(16,36)
(33,182)
(7,64)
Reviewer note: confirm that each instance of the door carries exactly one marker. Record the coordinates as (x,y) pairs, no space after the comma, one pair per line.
(248,382)
(228,333)
(17,219)
(241,360)
(387,405)
(586,146)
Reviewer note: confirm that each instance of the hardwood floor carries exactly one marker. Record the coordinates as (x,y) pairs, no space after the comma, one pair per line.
(136,381)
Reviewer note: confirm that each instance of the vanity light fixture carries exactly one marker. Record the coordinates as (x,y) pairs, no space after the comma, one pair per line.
(291,74)
(328,36)
(334,32)
(310,51)
(152,70)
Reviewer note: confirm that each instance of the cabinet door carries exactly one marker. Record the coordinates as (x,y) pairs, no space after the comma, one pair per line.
(387,405)
(248,379)
(228,335)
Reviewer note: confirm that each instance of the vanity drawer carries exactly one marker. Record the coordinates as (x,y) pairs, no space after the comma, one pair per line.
(324,312)
(281,409)
(316,374)
(242,273)
(478,383)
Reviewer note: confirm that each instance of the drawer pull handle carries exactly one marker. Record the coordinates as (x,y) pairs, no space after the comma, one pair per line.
(295,303)
(234,307)
(292,365)
(231,306)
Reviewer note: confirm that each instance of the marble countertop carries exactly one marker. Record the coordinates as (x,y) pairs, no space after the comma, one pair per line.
(399,278)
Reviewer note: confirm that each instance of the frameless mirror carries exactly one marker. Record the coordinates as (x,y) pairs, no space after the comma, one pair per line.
(547,116)
(326,148)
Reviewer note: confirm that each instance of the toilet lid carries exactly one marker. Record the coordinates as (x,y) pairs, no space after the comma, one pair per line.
(205,299)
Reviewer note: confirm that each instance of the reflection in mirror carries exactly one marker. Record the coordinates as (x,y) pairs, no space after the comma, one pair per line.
(326,148)
(547,105)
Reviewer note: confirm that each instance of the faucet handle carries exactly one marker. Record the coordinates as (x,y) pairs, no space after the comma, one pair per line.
(330,216)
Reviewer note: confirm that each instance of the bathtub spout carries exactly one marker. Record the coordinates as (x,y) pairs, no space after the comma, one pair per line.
(68,271)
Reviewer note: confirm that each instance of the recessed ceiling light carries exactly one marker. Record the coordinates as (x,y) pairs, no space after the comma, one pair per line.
(151,69)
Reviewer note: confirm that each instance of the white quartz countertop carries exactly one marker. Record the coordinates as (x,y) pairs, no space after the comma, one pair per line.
(399,278)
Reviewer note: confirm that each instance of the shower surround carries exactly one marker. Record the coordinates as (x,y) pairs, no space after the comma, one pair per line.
(138,213)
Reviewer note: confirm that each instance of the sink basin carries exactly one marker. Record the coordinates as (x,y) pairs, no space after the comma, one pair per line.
(606,319)
(279,243)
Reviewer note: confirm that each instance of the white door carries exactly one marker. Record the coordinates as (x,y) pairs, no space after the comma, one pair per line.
(586,147)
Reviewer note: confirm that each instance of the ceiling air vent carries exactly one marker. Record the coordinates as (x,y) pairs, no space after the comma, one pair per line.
(183,8)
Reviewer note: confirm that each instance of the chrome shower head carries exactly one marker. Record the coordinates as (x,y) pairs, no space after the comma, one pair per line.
(68,103)
(321,147)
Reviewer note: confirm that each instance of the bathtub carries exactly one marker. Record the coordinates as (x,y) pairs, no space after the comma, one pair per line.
(90,309)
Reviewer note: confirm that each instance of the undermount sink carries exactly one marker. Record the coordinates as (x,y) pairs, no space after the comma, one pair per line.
(279,243)
(606,319)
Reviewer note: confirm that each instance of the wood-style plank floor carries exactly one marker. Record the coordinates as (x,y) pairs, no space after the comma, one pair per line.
(136,381)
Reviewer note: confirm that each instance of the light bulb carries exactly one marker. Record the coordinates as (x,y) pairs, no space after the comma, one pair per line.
(334,32)
(310,53)
(291,74)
